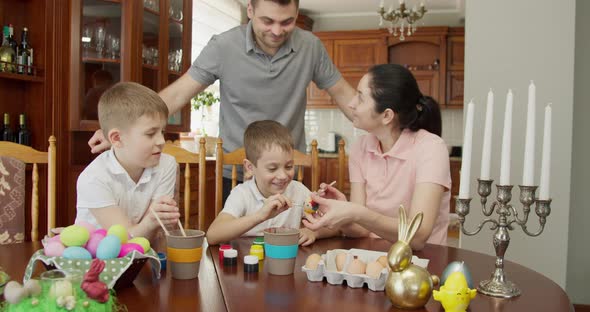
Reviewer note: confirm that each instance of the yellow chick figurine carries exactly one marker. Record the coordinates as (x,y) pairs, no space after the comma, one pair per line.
(454,295)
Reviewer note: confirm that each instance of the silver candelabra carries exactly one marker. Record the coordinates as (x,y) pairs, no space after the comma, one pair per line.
(498,285)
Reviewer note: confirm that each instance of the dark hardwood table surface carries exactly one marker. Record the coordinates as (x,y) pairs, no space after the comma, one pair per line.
(147,292)
(264,292)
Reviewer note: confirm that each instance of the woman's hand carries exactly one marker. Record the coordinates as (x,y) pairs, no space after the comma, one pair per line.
(331,213)
(330,192)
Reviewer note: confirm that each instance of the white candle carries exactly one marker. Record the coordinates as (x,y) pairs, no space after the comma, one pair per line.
(546,160)
(506,138)
(466,154)
(486,153)
(528,173)
(381,4)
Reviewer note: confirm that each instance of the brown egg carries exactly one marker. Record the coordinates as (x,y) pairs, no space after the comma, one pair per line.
(340,260)
(313,261)
(357,266)
(374,269)
(383,261)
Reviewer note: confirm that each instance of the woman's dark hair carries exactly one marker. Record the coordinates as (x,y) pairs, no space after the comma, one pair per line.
(393,86)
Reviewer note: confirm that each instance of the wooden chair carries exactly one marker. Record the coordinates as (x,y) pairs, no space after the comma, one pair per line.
(185,157)
(29,155)
(342,165)
(236,158)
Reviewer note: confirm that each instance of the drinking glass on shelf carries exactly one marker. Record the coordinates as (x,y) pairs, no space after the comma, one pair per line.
(155,56)
(115,46)
(100,39)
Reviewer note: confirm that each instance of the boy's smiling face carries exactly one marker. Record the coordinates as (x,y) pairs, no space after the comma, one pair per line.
(273,171)
(140,145)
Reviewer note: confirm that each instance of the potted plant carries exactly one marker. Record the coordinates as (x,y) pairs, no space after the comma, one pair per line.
(202,103)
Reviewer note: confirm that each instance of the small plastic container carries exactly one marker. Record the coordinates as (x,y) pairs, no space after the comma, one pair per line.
(221,249)
(230,257)
(258,251)
(250,264)
(259,241)
(163,260)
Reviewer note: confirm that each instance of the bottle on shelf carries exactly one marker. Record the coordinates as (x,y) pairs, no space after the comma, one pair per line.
(24,54)
(11,39)
(24,135)
(7,53)
(7,134)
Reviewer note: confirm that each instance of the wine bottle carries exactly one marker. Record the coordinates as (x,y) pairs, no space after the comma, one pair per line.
(7,53)
(24,135)
(7,134)
(24,54)
(11,40)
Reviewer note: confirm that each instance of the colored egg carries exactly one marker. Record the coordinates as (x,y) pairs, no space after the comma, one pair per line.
(90,227)
(93,242)
(55,238)
(76,252)
(74,235)
(383,261)
(457,266)
(340,260)
(128,248)
(356,266)
(119,231)
(54,249)
(109,247)
(101,231)
(145,244)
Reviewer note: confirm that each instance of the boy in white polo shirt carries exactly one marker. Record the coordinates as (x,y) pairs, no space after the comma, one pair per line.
(267,199)
(122,184)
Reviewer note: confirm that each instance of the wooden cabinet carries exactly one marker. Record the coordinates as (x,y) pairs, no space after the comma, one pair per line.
(455,61)
(143,41)
(315,96)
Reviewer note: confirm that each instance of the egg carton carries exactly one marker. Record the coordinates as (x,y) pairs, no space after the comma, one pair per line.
(327,269)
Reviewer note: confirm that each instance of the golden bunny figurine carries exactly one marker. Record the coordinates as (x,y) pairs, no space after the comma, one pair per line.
(408,286)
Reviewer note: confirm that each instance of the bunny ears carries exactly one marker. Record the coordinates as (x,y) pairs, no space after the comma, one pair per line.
(405,232)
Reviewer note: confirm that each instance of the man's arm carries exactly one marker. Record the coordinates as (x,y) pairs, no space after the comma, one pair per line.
(180,92)
(343,93)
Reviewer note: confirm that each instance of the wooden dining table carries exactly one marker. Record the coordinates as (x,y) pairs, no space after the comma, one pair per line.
(228,288)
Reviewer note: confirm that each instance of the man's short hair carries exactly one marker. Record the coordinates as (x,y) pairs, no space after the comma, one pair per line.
(122,104)
(279,2)
(262,135)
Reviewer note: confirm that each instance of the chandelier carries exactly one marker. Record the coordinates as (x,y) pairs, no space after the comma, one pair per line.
(401,18)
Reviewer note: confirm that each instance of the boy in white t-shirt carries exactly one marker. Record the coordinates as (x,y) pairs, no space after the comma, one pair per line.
(123,184)
(267,199)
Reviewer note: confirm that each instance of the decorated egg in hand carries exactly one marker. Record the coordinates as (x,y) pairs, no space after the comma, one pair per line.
(54,249)
(93,242)
(109,247)
(457,266)
(76,252)
(119,231)
(142,241)
(128,248)
(74,235)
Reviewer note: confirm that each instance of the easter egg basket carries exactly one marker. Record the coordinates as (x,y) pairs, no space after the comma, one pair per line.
(118,272)
(327,269)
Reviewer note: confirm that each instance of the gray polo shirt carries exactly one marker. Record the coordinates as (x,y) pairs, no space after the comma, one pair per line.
(255,86)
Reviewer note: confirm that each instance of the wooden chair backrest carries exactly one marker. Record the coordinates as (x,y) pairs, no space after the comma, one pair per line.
(236,158)
(186,157)
(342,165)
(30,155)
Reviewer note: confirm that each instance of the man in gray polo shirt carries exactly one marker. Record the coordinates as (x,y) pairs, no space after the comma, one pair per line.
(264,68)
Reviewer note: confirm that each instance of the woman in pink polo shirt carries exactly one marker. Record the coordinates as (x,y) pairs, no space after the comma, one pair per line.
(402,161)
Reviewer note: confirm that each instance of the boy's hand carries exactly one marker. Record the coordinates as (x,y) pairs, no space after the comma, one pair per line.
(166,209)
(273,206)
(306,237)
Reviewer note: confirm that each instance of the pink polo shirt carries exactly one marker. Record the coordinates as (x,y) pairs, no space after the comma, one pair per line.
(390,177)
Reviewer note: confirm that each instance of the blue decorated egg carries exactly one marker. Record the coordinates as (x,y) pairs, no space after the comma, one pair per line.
(109,247)
(457,266)
(76,252)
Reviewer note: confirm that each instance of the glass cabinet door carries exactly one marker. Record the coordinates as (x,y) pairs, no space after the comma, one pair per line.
(175,49)
(100,48)
(150,47)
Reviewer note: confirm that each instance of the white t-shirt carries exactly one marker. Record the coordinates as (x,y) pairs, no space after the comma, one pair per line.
(105,183)
(245,199)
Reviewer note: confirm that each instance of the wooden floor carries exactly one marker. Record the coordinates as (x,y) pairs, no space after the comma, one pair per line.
(581,308)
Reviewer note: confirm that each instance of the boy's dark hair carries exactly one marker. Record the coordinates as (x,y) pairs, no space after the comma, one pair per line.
(125,102)
(279,2)
(393,86)
(262,135)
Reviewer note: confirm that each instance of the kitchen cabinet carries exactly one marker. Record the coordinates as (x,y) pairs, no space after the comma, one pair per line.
(456,60)
(143,41)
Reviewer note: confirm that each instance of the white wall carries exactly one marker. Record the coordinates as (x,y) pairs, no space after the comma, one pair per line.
(578,271)
(506,49)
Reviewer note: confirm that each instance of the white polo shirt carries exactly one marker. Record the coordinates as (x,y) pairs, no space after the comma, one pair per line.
(245,199)
(105,183)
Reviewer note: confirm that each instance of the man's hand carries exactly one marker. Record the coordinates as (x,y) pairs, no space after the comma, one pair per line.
(98,143)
